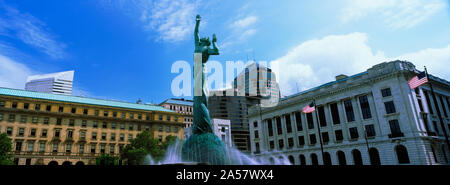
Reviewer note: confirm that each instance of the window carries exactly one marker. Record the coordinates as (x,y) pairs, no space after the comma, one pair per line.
(48,108)
(103,136)
(339,135)
(2,103)
(353,133)
(57,132)
(68,148)
(140,116)
(298,120)
(74,110)
(37,107)
(139,127)
(44,133)
(255,124)
(46,120)
(370,130)
(12,118)
(21,131)
(83,135)
(270,127)
(81,149)
(272,145)
(168,128)
(105,125)
(60,109)
(35,119)
(93,149)
(365,107)
(122,126)
(130,126)
(95,124)
(280,144)
(41,147)
(94,135)
(301,140)
(443,106)
(147,128)
(1,116)
(83,123)
(26,106)
(105,113)
(113,137)
(386,92)
(58,121)
(390,108)
(130,137)
(335,113)
(160,138)
(312,139)
(70,134)
(402,154)
(123,114)
(9,131)
(55,147)
(96,112)
(256,134)
(19,146)
(113,125)
(310,120)
(114,114)
(349,110)
(131,116)
(325,137)
(121,137)
(30,147)
(279,128)
(111,149)
(71,122)
(23,119)
(33,132)
(160,117)
(85,111)
(395,129)
(322,119)
(14,105)
(168,118)
(147,117)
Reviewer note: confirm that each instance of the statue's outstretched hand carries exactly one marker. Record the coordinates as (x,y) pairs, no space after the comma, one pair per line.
(214,38)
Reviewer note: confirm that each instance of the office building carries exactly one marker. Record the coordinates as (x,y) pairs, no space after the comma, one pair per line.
(55,83)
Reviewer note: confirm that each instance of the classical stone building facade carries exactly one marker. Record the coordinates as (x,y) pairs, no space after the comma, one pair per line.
(182,106)
(369,118)
(59,129)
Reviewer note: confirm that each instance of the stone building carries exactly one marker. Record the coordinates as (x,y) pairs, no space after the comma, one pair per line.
(59,129)
(182,106)
(368,118)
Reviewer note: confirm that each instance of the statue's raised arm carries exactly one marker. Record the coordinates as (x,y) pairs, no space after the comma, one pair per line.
(196,36)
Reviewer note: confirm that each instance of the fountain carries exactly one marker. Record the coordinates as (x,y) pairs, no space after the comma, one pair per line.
(203,146)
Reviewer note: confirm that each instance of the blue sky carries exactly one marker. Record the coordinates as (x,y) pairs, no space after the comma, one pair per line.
(124,49)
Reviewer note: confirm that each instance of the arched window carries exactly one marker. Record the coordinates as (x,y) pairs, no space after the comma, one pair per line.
(53,163)
(327,158)
(374,156)
(291,159)
(79,163)
(357,159)
(402,154)
(67,163)
(341,158)
(314,160)
(302,159)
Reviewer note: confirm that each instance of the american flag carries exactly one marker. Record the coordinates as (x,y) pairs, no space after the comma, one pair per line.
(309,108)
(418,80)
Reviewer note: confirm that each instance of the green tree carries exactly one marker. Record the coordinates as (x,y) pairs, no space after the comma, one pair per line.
(5,150)
(107,160)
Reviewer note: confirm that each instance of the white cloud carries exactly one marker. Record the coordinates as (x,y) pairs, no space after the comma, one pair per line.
(318,61)
(395,14)
(31,31)
(13,74)
(245,22)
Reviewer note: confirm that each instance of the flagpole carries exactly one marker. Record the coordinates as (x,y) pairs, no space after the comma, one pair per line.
(320,134)
(437,109)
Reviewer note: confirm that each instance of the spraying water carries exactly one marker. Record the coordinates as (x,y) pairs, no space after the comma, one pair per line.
(234,157)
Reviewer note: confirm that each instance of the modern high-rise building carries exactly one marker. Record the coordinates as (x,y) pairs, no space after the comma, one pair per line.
(372,117)
(253,86)
(55,83)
